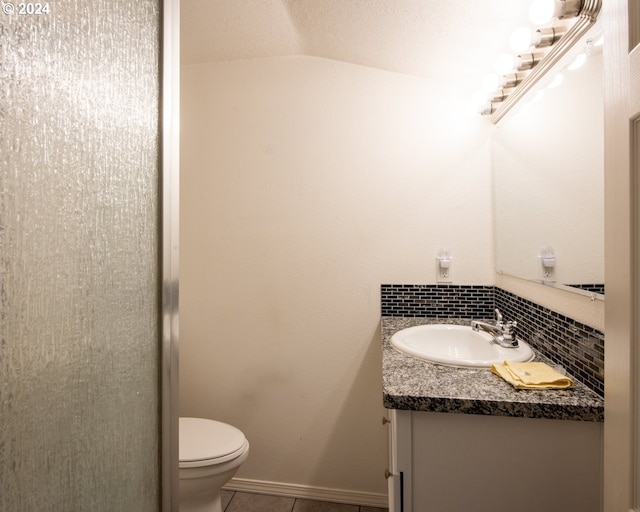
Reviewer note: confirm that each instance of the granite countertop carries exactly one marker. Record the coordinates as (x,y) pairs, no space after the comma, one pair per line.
(410,383)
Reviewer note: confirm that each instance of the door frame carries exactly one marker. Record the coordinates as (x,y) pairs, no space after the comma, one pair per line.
(622,264)
(170,165)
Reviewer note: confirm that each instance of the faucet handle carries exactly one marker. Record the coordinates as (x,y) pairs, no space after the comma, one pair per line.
(498,316)
(510,332)
(510,326)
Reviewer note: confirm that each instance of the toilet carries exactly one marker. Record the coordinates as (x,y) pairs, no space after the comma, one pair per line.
(210,453)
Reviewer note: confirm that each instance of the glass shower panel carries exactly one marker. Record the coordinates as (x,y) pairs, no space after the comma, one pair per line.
(79,238)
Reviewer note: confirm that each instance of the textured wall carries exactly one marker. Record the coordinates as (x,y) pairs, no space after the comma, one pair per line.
(78,259)
(306,183)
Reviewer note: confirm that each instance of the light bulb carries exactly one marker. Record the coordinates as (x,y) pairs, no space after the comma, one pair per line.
(536,38)
(542,12)
(579,61)
(480,98)
(520,39)
(490,82)
(504,63)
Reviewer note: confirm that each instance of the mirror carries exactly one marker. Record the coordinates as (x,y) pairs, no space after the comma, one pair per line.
(549,185)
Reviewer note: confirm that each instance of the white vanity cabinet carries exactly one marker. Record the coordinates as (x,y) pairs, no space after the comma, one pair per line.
(449,462)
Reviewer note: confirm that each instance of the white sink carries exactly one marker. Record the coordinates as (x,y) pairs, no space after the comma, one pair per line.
(457,345)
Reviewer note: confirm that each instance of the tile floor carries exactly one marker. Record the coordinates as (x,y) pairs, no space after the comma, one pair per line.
(236,501)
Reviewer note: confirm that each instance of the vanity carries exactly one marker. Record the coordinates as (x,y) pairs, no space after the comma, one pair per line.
(462,439)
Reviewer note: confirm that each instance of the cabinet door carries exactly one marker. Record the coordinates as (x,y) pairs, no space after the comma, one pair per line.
(468,462)
(399,471)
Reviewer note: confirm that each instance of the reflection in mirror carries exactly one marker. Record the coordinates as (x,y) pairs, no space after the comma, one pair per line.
(548,184)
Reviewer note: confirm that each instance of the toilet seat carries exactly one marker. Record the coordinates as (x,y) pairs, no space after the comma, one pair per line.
(204,442)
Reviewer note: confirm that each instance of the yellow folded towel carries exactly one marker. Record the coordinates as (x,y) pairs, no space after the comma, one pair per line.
(532,376)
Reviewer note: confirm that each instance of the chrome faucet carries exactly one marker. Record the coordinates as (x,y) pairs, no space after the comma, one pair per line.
(504,333)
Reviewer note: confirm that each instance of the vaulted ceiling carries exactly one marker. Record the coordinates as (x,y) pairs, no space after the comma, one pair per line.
(457,40)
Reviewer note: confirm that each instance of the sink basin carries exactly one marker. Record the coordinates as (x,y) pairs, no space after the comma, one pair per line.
(457,345)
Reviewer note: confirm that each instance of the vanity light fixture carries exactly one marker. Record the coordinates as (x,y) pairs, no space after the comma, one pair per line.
(526,61)
(564,23)
(541,12)
(523,38)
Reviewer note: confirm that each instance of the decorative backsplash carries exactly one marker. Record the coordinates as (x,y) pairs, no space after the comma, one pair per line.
(437,301)
(571,344)
(590,287)
(576,346)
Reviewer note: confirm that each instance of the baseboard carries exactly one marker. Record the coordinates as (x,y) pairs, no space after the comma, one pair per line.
(309,492)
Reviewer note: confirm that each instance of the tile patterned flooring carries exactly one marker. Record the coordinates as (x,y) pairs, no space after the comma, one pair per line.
(236,501)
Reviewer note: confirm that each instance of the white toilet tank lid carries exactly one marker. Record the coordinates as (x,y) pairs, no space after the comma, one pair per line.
(202,439)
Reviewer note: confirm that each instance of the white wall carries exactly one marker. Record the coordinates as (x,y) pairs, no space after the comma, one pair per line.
(306,183)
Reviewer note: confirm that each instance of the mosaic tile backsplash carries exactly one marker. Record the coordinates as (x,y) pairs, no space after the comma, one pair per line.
(590,287)
(571,344)
(437,301)
(577,347)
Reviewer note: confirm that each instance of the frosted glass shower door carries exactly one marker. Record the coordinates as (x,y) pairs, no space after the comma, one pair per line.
(79,257)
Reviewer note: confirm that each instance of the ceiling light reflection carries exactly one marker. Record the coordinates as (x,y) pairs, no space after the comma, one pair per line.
(579,61)
(557,80)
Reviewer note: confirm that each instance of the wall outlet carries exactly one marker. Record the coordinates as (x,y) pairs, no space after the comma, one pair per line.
(443,275)
(548,275)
